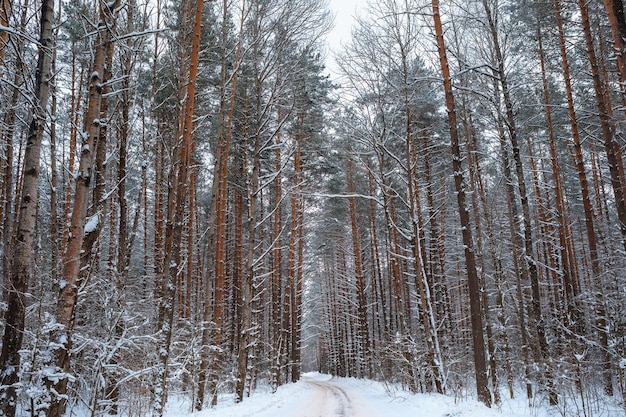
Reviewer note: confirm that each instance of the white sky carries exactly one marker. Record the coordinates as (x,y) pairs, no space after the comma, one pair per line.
(344,11)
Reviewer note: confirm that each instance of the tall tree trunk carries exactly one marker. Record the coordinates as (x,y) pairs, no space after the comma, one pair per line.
(423,282)
(295,257)
(220,223)
(475,182)
(466,228)
(529,255)
(380,296)
(208,303)
(248,273)
(96,210)
(53,233)
(478,183)
(612,152)
(75,113)
(296,320)
(216,260)
(68,293)
(175,219)
(578,154)
(6,161)
(437,248)
(579,162)
(5,13)
(607,125)
(276,291)
(19,274)
(363,327)
(519,267)
(565,270)
(291,308)
(112,389)
(617,23)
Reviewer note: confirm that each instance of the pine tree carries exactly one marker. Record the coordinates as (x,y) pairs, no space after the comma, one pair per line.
(466,228)
(20,271)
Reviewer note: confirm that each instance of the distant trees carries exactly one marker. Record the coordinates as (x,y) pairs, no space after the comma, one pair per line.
(518,263)
(180,143)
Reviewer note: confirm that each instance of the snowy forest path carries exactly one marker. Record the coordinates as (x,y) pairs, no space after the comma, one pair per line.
(315,395)
(331,399)
(320,395)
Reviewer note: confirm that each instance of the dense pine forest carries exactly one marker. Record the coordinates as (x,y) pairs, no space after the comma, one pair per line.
(191,206)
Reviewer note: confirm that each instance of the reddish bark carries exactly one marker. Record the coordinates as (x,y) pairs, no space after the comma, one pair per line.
(22,254)
(68,294)
(466,227)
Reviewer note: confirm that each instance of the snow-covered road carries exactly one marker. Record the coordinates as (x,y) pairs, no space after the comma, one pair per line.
(330,399)
(318,395)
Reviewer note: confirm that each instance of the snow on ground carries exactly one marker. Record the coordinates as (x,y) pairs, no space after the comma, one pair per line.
(318,395)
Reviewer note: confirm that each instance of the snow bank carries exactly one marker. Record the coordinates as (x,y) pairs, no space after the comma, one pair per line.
(262,403)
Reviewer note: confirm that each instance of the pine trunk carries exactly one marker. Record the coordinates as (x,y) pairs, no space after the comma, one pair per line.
(363,327)
(475,184)
(296,320)
(577,152)
(466,228)
(276,280)
(5,12)
(564,268)
(176,209)
(607,123)
(68,293)
(248,273)
(291,322)
(529,255)
(612,152)
(8,129)
(20,270)
(380,296)
(617,23)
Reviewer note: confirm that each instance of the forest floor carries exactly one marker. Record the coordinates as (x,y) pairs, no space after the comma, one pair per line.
(318,395)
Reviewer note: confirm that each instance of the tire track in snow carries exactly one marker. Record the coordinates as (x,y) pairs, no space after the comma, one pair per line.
(332,400)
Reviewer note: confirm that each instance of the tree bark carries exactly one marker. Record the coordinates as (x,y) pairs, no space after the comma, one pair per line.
(291,325)
(249,271)
(175,218)
(276,290)
(68,294)
(475,182)
(577,154)
(617,23)
(579,162)
(7,161)
(216,259)
(617,182)
(529,255)
(565,270)
(363,327)
(5,13)
(296,321)
(466,228)
(607,124)
(220,223)
(20,271)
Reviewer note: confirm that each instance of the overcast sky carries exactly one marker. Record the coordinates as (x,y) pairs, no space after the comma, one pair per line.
(344,11)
